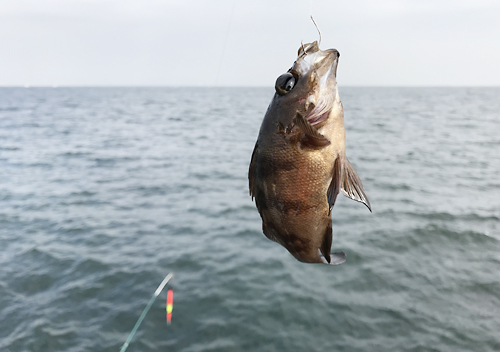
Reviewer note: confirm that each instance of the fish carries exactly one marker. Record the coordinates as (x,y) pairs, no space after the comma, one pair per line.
(299,164)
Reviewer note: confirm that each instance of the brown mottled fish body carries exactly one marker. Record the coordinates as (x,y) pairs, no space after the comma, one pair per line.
(299,165)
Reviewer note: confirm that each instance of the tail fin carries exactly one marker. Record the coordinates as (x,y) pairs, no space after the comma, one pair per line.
(336,258)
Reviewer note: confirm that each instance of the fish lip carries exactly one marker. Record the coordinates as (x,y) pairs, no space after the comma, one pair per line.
(321,68)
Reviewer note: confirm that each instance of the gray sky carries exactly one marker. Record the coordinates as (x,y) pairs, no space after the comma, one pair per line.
(246,43)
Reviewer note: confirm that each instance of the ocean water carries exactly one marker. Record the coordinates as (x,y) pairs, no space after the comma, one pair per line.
(103,191)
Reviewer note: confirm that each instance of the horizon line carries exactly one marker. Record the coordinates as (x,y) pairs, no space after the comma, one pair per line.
(235,86)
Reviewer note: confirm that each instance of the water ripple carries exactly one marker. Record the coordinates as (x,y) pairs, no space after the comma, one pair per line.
(105,190)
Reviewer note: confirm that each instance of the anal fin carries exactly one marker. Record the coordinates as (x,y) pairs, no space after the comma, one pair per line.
(326,245)
(334,188)
(336,258)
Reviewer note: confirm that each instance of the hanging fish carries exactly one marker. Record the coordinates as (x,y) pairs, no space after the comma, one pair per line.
(299,165)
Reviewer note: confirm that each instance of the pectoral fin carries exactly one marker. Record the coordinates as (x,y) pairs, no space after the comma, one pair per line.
(312,137)
(350,184)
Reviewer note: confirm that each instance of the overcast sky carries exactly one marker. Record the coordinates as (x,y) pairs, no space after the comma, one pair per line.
(246,43)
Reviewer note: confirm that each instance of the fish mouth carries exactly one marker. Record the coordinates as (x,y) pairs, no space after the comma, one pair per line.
(321,67)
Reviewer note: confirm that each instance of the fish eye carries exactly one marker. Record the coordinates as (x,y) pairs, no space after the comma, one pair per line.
(285,83)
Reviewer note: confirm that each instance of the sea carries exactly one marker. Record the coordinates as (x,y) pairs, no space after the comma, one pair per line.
(105,191)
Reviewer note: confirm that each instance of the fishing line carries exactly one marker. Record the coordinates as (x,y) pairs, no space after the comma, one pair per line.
(319,32)
(225,42)
(312,19)
(145,311)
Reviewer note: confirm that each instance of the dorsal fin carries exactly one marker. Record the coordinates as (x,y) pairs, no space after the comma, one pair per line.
(251,172)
